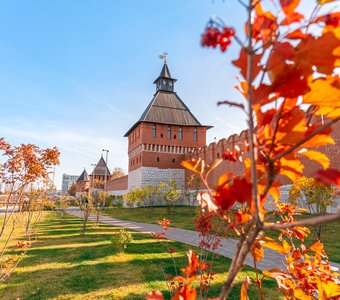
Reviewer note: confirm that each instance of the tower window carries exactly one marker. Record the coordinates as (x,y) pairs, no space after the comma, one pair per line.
(157,159)
(175,136)
(169,132)
(180,135)
(173,160)
(195,134)
(154,130)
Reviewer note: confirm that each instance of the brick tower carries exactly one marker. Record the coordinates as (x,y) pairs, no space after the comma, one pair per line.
(82,183)
(159,140)
(100,174)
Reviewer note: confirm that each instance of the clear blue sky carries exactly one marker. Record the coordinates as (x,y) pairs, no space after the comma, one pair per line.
(78,74)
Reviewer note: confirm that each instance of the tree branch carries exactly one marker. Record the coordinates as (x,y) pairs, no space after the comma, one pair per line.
(306,139)
(308,222)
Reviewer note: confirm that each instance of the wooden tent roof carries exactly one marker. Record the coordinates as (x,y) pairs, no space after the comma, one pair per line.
(83,177)
(166,107)
(100,168)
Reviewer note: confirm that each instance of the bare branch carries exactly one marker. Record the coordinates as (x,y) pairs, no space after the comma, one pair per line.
(242,3)
(231,104)
(308,222)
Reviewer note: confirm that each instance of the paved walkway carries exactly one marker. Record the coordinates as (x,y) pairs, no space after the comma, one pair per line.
(271,260)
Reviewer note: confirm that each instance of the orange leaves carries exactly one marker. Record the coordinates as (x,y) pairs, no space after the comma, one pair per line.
(328,289)
(26,163)
(317,156)
(289,6)
(325,93)
(257,251)
(244,289)
(316,247)
(23,244)
(307,275)
(292,18)
(199,167)
(308,53)
(272,244)
(196,166)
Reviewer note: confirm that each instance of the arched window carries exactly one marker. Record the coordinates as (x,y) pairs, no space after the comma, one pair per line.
(195,134)
(169,132)
(180,135)
(154,130)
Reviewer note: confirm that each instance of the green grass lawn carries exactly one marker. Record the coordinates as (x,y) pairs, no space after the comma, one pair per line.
(62,264)
(183,217)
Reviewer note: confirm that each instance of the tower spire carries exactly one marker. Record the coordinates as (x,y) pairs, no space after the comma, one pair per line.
(165,82)
(164,57)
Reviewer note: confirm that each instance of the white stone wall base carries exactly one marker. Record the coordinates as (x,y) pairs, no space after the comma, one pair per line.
(153,176)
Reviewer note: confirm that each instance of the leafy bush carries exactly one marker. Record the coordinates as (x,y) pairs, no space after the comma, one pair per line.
(121,240)
(49,205)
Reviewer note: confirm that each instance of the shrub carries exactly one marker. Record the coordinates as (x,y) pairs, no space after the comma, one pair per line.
(121,240)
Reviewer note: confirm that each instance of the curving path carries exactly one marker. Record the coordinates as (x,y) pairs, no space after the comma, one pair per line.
(271,260)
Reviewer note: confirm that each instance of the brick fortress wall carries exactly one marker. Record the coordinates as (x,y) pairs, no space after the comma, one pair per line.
(215,151)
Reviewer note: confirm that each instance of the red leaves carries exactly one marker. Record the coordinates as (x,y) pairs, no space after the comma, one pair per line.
(193,264)
(23,244)
(242,63)
(185,293)
(329,177)
(165,223)
(154,295)
(238,190)
(213,36)
(264,27)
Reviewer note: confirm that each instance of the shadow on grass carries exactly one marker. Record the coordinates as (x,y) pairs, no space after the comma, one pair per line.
(63,265)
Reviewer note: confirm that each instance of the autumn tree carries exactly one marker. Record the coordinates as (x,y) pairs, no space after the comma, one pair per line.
(22,167)
(87,206)
(117,172)
(307,192)
(72,190)
(170,194)
(287,61)
(99,200)
(133,198)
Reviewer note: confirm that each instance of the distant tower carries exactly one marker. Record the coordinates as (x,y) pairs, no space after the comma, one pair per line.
(158,141)
(98,174)
(82,183)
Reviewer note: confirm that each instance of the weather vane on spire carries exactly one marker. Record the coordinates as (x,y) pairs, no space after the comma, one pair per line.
(164,57)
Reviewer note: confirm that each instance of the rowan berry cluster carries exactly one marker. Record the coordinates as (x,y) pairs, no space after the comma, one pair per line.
(213,37)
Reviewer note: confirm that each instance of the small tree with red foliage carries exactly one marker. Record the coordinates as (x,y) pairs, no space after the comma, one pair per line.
(288,61)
